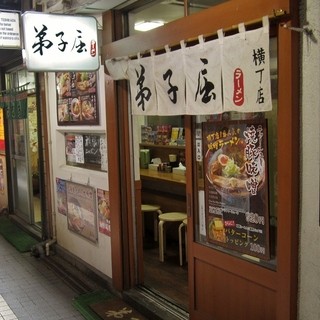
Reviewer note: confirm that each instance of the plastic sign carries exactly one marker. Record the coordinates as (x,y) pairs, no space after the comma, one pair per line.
(55,42)
(10,30)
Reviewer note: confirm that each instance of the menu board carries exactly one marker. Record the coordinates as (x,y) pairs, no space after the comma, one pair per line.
(236,186)
(77,98)
(86,150)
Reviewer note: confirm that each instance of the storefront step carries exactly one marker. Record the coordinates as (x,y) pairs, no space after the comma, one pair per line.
(153,305)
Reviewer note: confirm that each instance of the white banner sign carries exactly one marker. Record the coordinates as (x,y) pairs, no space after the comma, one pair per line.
(246,71)
(60,42)
(10,30)
(227,74)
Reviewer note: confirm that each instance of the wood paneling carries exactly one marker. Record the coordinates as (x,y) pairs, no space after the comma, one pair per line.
(222,295)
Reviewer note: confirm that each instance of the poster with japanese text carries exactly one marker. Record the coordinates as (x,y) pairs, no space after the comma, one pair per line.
(236,186)
(61,196)
(81,210)
(77,98)
(104,212)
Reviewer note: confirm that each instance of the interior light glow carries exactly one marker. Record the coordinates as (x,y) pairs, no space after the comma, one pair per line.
(147,25)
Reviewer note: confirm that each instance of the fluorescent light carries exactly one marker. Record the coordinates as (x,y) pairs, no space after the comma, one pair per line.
(147,25)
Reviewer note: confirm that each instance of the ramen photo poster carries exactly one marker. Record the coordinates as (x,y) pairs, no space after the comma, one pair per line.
(236,185)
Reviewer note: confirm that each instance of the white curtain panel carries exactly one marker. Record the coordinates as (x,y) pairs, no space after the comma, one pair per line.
(202,65)
(118,69)
(246,70)
(142,86)
(170,83)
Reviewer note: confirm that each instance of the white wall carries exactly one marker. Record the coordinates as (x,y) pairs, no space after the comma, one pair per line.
(97,254)
(309,281)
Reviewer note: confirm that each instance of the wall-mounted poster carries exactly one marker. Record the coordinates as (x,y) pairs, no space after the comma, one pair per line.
(82,214)
(61,196)
(77,98)
(236,186)
(104,211)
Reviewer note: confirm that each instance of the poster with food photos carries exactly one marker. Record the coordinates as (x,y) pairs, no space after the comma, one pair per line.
(104,212)
(77,98)
(236,185)
(81,210)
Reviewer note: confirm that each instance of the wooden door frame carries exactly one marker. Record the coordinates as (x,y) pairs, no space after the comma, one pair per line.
(284,280)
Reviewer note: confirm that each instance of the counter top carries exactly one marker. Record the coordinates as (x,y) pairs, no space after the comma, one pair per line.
(158,175)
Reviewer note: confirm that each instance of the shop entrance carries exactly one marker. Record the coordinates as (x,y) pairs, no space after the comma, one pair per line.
(163,195)
(24,155)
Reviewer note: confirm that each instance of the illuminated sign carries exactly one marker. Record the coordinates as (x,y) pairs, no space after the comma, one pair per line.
(60,42)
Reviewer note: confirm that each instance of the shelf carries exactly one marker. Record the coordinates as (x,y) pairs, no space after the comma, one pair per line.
(166,146)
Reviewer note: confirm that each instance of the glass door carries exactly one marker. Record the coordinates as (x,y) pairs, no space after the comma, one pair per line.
(24,154)
(21,184)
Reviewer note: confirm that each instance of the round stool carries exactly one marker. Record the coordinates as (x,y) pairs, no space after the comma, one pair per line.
(183,224)
(155,209)
(163,218)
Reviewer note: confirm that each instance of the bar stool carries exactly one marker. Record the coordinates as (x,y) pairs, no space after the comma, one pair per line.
(183,224)
(163,218)
(155,209)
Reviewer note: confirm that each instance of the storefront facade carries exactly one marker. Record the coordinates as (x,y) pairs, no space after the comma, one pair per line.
(222,283)
(253,290)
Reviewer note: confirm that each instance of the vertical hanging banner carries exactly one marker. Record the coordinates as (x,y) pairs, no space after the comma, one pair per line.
(15,103)
(142,86)
(236,186)
(170,83)
(246,70)
(202,66)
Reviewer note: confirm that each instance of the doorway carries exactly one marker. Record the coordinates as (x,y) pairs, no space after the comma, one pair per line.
(160,151)
(24,153)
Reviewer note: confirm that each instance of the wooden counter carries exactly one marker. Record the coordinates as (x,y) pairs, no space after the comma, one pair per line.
(163,188)
(158,175)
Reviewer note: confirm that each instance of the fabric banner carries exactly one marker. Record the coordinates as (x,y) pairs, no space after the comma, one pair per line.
(15,103)
(246,71)
(227,74)
(202,67)
(118,69)
(142,86)
(170,83)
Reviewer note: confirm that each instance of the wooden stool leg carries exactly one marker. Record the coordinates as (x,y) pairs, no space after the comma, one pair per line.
(186,242)
(161,241)
(180,243)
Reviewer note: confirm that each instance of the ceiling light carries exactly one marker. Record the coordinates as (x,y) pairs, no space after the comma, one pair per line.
(147,25)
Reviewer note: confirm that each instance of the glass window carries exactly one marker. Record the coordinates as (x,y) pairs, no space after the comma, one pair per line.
(239,241)
(163,11)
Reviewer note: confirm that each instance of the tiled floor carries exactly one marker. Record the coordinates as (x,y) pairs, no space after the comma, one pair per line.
(29,290)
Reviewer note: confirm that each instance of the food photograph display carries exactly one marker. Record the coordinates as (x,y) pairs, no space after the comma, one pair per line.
(77,98)
(236,185)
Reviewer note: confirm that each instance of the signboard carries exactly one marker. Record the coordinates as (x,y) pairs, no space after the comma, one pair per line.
(236,186)
(10,30)
(60,42)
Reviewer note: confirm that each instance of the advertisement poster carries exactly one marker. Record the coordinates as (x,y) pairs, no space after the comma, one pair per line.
(61,196)
(104,211)
(77,98)
(81,210)
(2,145)
(236,186)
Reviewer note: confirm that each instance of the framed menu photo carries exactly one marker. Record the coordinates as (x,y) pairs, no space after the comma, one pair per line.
(77,98)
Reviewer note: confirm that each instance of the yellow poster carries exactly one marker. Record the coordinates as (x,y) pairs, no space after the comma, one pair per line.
(1,125)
